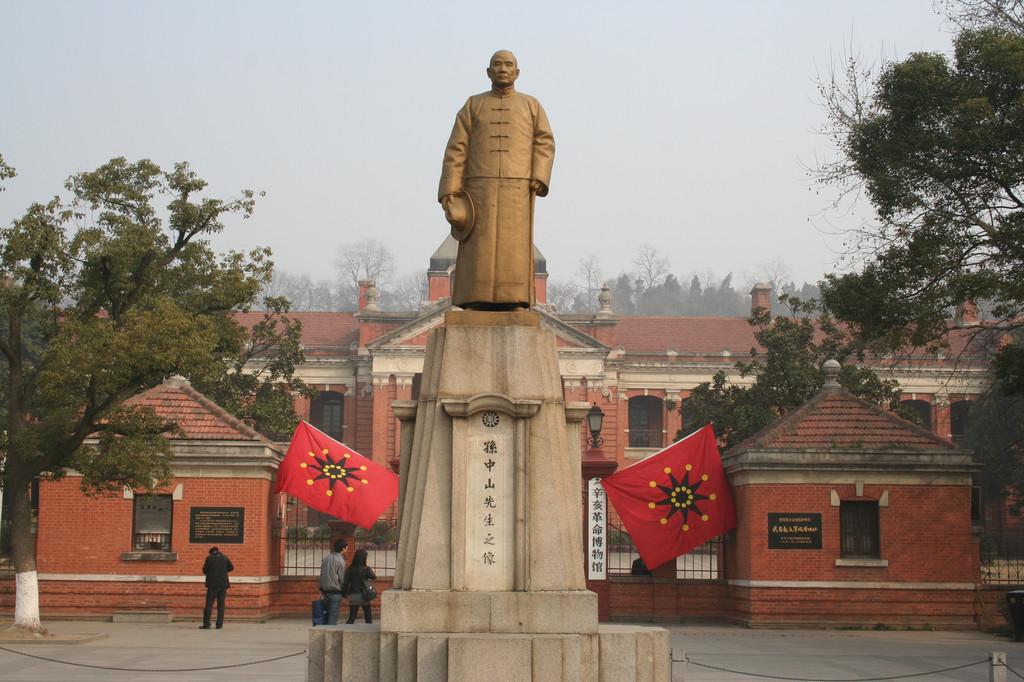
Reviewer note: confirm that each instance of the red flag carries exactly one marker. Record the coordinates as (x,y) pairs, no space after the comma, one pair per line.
(335,479)
(674,500)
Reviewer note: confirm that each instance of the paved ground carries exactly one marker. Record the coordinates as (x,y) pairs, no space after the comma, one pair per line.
(173,646)
(836,654)
(786,654)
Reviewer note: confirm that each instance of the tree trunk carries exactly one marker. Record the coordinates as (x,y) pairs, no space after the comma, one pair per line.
(23,546)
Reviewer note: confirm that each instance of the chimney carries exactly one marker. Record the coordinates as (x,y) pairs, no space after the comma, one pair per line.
(761,297)
(439,284)
(540,286)
(368,296)
(966,314)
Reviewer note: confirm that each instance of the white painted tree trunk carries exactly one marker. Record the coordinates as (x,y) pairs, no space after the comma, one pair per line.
(26,600)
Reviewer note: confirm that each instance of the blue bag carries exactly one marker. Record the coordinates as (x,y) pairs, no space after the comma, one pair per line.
(319,612)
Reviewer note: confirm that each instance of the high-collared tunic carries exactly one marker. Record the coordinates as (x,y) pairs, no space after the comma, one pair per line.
(498,144)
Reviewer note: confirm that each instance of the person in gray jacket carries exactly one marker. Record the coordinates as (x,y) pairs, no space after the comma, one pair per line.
(332,572)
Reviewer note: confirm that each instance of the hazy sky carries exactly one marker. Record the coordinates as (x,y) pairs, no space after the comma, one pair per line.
(687,125)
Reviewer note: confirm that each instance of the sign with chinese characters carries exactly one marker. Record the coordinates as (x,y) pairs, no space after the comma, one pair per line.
(490,515)
(794,531)
(597,533)
(220,525)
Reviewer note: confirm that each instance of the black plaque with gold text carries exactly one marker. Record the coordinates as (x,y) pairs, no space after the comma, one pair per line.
(224,525)
(794,531)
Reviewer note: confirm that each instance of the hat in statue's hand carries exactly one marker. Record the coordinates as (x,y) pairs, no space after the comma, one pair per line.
(460,215)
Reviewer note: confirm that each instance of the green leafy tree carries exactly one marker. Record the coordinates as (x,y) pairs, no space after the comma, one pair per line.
(101,298)
(937,145)
(995,434)
(786,373)
(255,378)
(996,437)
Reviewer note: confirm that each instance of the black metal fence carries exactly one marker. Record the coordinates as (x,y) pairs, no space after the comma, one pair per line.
(646,438)
(621,552)
(381,545)
(307,539)
(701,563)
(305,545)
(1002,560)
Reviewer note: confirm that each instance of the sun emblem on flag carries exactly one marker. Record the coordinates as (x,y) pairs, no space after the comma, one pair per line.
(682,496)
(335,471)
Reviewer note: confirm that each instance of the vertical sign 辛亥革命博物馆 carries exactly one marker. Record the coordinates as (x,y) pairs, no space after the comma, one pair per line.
(597,535)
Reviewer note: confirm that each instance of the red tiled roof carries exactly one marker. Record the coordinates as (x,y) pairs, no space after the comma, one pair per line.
(712,335)
(334,333)
(836,419)
(197,416)
(685,334)
(319,330)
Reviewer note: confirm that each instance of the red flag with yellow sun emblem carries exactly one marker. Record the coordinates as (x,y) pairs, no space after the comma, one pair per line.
(674,500)
(335,479)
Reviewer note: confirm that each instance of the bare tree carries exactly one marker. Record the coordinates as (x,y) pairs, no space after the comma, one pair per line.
(775,272)
(563,294)
(973,14)
(406,293)
(306,294)
(589,277)
(650,267)
(364,259)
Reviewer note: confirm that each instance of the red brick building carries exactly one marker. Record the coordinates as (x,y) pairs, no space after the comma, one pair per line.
(849,515)
(638,370)
(131,554)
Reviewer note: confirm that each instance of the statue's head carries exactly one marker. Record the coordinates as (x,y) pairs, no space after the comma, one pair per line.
(504,69)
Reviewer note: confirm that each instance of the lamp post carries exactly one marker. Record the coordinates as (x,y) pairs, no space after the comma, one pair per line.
(595,464)
(595,419)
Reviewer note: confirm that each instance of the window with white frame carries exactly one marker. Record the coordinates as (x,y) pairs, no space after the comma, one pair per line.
(151,528)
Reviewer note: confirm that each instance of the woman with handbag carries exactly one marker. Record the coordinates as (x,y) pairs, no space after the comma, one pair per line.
(358,587)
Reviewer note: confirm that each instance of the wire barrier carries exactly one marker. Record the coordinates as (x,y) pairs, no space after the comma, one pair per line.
(687,659)
(789,678)
(153,670)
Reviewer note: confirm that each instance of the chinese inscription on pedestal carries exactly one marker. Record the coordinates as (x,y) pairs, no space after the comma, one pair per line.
(489,522)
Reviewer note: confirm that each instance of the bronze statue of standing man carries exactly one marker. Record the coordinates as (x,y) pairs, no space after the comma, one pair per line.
(498,159)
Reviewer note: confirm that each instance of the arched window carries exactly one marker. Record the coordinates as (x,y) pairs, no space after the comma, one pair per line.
(327,412)
(645,423)
(923,410)
(959,419)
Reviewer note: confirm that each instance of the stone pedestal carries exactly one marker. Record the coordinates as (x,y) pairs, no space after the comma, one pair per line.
(363,653)
(489,582)
(491,446)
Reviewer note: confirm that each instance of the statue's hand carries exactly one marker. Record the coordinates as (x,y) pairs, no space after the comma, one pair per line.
(446,202)
(536,186)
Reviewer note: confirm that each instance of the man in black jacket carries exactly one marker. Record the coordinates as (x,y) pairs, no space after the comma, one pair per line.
(216,569)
